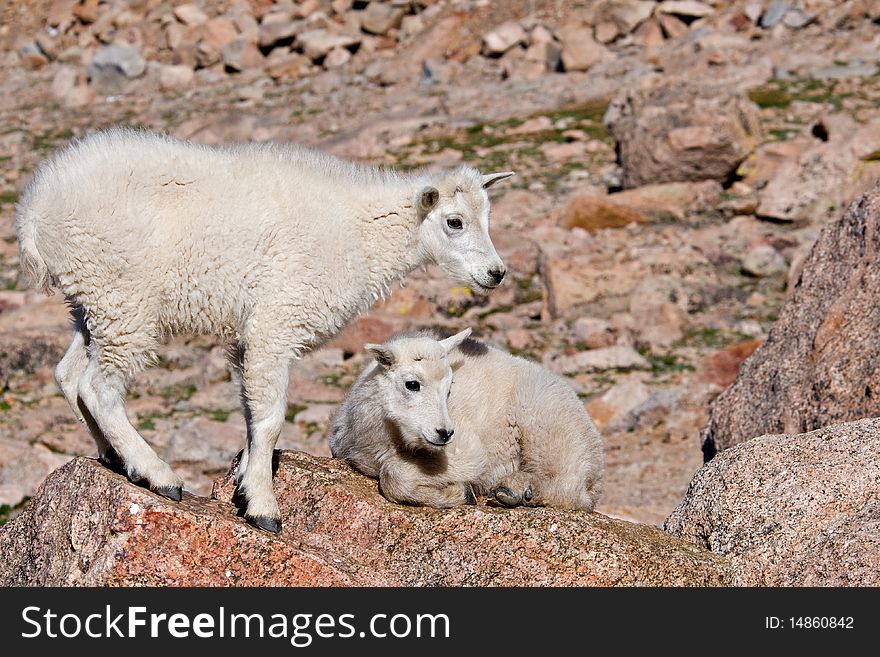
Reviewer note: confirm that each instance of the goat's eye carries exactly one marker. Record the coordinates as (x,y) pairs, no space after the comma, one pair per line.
(454,223)
(415,386)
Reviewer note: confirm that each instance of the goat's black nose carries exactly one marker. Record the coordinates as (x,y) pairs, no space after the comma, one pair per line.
(445,435)
(497,275)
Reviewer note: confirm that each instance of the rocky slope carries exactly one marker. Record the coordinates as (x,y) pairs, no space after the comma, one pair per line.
(646,290)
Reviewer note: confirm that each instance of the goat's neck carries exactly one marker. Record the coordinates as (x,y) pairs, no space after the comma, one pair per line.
(393,232)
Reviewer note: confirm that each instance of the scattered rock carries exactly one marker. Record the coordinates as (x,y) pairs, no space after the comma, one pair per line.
(617,401)
(241,54)
(190,14)
(64,81)
(618,357)
(290,65)
(571,282)
(807,177)
(625,15)
(579,50)
(676,130)
(503,38)
(175,77)
(23,467)
(671,201)
(593,333)
(774,13)
(672,27)
(112,65)
(820,363)
(88,526)
(596,212)
(791,510)
(764,260)
(32,56)
(380,18)
(317,43)
(688,8)
(277,32)
(721,367)
(337,57)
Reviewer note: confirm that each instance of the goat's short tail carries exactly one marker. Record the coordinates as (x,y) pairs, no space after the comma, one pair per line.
(33,267)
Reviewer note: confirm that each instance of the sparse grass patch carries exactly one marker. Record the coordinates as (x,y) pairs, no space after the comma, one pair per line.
(220,415)
(666,363)
(179,392)
(765,97)
(292,411)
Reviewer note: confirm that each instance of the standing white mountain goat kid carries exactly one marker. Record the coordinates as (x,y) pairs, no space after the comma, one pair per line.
(272,247)
(439,420)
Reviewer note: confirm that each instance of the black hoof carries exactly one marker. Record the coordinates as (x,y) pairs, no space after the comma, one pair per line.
(111,460)
(271,525)
(171,492)
(469,497)
(507,497)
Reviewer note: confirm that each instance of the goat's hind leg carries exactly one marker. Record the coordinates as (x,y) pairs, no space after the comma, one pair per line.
(103,395)
(68,374)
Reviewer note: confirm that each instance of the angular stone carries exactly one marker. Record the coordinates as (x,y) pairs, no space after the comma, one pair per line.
(597,212)
(675,130)
(626,15)
(190,14)
(337,57)
(764,260)
(219,32)
(113,64)
(287,65)
(579,50)
(571,282)
(241,54)
(503,38)
(593,333)
(618,357)
(791,510)
(671,201)
(317,43)
(277,31)
(175,77)
(380,18)
(820,363)
(688,8)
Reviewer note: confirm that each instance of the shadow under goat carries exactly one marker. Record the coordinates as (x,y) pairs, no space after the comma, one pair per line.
(439,421)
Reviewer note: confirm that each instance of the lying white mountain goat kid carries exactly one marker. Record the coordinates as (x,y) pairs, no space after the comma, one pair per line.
(273,247)
(505,427)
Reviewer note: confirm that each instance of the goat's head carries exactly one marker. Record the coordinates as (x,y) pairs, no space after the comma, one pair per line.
(454,231)
(415,378)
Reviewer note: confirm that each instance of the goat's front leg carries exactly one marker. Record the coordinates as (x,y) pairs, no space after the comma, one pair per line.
(516,489)
(264,377)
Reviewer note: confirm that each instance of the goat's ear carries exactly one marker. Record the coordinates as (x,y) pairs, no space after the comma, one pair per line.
(490,179)
(383,355)
(428,198)
(452,342)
